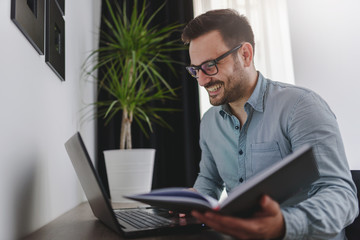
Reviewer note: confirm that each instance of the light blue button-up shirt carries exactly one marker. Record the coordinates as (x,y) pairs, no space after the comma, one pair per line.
(281,118)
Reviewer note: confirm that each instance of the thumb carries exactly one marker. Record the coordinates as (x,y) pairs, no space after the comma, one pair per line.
(269,206)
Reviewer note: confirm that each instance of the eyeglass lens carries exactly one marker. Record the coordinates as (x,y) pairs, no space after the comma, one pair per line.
(209,68)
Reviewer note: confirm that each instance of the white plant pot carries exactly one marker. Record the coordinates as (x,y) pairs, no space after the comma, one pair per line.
(129,171)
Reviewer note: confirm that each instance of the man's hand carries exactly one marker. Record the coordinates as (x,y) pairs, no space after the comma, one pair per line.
(265,224)
(183,214)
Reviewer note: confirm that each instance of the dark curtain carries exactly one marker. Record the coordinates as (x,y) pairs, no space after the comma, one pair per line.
(177,151)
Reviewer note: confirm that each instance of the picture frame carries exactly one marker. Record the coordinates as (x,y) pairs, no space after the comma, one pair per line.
(28,16)
(55,39)
(61,4)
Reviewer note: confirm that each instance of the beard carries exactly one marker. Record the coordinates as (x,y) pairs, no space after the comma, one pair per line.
(233,90)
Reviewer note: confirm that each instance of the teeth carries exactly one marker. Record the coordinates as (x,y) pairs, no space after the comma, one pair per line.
(214,88)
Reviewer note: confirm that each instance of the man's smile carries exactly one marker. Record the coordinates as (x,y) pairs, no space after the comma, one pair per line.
(214,89)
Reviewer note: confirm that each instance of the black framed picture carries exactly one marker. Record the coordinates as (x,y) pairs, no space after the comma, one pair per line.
(28,16)
(55,39)
(61,4)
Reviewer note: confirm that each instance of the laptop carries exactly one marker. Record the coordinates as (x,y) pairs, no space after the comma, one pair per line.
(130,222)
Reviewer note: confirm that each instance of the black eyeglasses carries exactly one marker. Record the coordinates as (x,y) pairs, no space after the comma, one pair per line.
(210,67)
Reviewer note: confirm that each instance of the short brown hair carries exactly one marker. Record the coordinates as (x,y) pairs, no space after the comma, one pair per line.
(233,27)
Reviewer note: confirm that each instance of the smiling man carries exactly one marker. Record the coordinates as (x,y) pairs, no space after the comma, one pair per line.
(256,122)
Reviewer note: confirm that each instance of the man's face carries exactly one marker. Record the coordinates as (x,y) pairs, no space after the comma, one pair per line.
(229,84)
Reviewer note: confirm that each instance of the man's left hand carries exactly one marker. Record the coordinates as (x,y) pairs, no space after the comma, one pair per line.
(267,223)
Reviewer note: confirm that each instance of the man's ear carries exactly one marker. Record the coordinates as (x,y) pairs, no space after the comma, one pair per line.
(246,53)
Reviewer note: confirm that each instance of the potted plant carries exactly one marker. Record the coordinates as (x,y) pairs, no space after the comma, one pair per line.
(127,59)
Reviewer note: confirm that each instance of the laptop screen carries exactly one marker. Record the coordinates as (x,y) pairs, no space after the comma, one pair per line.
(90,182)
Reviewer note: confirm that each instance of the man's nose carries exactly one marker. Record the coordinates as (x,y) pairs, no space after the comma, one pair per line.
(203,79)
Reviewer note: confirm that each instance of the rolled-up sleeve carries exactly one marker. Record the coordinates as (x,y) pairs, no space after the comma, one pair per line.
(331,203)
(291,117)
(208,181)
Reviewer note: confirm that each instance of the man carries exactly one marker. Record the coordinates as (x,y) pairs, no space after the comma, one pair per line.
(256,122)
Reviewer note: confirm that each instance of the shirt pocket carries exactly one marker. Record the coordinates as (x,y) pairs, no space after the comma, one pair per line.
(264,155)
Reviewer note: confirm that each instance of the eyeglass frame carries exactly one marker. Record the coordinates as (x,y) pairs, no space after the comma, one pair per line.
(214,61)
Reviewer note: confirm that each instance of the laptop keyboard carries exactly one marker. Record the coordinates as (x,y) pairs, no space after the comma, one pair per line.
(142,220)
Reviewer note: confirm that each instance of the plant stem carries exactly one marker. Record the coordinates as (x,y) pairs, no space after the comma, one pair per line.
(125,133)
(122,131)
(128,132)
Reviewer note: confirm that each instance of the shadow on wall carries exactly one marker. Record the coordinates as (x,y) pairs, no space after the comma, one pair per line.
(25,191)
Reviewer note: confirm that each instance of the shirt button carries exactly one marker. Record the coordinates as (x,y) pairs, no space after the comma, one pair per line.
(241,180)
(241,152)
(237,127)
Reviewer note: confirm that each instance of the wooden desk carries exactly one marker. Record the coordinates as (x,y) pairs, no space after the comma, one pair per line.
(80,224)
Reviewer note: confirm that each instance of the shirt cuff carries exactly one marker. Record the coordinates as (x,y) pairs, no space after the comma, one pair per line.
(296,224)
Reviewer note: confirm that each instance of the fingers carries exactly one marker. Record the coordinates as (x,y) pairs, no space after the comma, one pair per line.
(180,214)
(268,207)
(267,223)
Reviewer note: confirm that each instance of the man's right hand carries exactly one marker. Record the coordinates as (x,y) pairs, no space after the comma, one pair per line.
(183,214)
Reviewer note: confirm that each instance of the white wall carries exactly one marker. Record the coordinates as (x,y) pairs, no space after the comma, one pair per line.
(326,55)
(38,114)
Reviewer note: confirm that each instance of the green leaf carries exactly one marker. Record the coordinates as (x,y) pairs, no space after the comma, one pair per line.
(129,58)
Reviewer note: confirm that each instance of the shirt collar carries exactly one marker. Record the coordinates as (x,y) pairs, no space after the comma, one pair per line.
(256,99)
